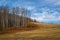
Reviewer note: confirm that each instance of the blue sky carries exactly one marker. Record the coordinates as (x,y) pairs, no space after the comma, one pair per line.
(41,10)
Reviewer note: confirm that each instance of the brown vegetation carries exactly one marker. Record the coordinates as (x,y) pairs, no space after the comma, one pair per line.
(27,27)
(43,32)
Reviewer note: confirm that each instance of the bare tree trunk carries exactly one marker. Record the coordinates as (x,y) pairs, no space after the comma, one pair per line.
(13,11)
(2,22)
(23,16)
(17,16)
(2,25)
(6,11)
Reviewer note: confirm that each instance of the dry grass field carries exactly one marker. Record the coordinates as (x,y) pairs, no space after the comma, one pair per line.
(43,32)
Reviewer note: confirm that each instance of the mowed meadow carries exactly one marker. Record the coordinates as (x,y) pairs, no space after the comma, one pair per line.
(37,31)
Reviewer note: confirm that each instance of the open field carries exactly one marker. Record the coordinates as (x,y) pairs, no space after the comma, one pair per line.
(44,32)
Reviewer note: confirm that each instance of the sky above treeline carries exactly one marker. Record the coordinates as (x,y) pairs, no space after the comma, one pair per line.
(42,10)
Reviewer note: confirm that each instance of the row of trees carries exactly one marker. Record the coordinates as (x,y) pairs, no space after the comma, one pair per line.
(13,17)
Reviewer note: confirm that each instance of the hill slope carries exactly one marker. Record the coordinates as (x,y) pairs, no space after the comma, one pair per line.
(44,32)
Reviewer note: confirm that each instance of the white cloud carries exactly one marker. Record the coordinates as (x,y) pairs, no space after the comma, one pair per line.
(46,15)
(57,3)
(51,1)
(54,2)
(30,7)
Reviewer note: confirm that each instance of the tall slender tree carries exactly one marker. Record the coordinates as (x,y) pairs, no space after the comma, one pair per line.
(2,25)
(6,12)
(17,15)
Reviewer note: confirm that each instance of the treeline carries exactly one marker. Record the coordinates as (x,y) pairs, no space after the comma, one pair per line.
(13,17)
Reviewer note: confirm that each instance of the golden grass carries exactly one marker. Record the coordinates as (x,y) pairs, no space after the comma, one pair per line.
(43,32)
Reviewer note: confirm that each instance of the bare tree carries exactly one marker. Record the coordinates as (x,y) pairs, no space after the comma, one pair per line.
(13,12)
(25,16)
(6,12)
(2,25)
(17,16)
(16,13)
